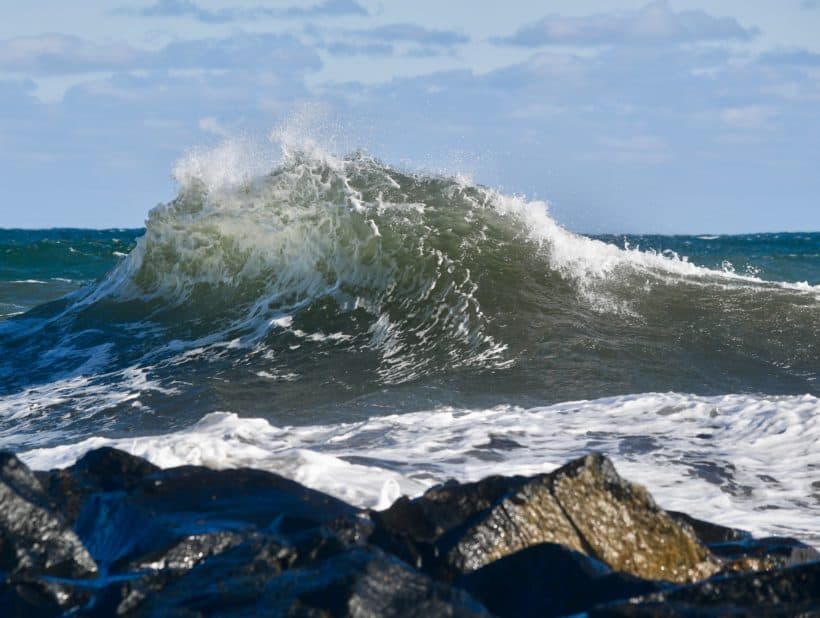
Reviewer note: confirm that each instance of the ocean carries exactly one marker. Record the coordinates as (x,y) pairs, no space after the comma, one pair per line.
(371,332)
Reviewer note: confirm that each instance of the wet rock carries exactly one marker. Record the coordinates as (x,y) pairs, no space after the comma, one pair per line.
(763,554)
(361,581)
(793,591)
(410,528)
(104,469)
(164,508)
(28,598)
(549,580)
(528,516)
(33,537)
(623,527)
(584,506)
(708,532)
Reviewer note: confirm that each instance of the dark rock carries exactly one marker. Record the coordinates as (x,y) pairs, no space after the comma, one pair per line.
(33,537)
(549,580)
(360,581)
(166,507)
(793,591)
(410,528)
(764,554)
(708,532)
(101,470)
(529,515)
(584,506)
(28,598)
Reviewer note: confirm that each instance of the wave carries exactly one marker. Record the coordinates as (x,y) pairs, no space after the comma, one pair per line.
(311,285)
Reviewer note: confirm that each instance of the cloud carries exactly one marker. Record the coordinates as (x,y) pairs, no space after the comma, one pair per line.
(365,49)
(407,39)
(637,149)
(810,4)
(654,23)
(190,9)
(791,57)
(747,117)
(412,33)
(59,54)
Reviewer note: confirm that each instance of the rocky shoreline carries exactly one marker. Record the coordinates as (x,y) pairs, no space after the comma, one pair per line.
(115,535)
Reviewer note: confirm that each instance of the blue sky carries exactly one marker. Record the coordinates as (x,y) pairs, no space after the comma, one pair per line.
(673,116)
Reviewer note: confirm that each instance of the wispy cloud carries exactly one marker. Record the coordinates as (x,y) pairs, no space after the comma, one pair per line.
(407,39)
(747,116)
(412,33)
(60,54)
(654,23)
(192,10)
(791,57)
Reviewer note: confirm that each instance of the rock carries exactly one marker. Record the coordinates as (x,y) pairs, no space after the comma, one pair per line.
(527,516)
(793,591)
(549,580)
(623,526)
(707,532)
(763,554)
(104,469)
(33,537)
(28,598)
(360,581)
(161,509)
(585,506)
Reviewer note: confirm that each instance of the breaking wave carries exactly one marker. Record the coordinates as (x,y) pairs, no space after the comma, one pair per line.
(303,288)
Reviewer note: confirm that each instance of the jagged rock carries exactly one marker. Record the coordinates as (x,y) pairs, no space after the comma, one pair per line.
(584,506)
(194,541)
(28,598)
(410,528)
(33,537)
(104,469)
(623,527)
(360,581)
(792,591)
(708,532)
(164,508)
(527,516)
(549,580)
(764,554)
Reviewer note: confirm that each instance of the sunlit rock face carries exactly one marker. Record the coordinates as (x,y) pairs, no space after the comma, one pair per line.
(584,506)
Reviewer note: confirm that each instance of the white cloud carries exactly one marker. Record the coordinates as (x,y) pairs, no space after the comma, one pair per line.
(747,117)
(654,23)
(211,125)
(60,54)
(190,9)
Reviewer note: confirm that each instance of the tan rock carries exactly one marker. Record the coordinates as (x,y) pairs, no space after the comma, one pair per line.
(623,526)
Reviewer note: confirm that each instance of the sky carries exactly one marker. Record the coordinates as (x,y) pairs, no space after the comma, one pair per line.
(678,116)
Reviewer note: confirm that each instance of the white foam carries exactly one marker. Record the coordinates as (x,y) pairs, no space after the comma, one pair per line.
(738,460)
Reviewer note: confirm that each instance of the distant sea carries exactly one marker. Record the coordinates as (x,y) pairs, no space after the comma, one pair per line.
(371,332)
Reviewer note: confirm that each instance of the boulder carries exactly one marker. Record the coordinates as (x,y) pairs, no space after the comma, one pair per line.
(104,469)
(793,591)
(33,537)
(157,511)
(623,527)
(584,506)
(549,580)
(359,581)
(28,598)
